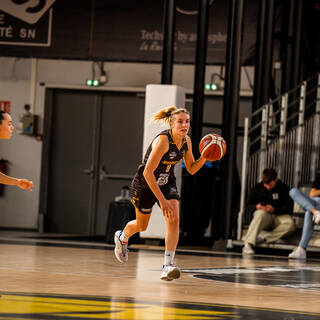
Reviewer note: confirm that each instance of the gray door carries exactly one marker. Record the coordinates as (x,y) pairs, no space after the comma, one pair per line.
(95,148)
(71,158)
(121,149)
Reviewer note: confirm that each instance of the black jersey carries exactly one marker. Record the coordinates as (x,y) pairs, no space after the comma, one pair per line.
(165,170)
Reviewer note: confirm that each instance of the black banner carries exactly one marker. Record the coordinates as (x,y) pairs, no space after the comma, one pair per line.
(127,30)
(24,25)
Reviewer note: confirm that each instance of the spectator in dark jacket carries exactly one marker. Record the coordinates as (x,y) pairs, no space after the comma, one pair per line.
(272,207)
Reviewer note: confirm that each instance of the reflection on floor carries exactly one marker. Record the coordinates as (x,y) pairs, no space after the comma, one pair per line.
(57,279)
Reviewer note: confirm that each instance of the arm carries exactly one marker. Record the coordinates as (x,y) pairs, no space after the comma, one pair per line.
(159,147)
(22,183)
(315,187)
(192,165)
(314,193)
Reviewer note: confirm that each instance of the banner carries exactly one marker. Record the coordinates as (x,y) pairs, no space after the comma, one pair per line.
(127,30)
(25,23)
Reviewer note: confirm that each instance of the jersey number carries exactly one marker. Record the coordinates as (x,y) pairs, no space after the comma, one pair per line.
(163,179)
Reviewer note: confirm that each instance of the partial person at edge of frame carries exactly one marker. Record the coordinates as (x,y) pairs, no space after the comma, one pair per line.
(311,205)
(6,129)
(155,182)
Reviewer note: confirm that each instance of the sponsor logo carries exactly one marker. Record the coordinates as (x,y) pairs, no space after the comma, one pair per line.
(286,276)
(26,22)
(29,11)
(172,155)
(173,190)
(170,162)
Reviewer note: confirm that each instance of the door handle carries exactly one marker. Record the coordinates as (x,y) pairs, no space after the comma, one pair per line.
(120,176)
(103,174)
(89,172)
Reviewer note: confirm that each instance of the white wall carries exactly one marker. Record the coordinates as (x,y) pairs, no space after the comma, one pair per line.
(19,208)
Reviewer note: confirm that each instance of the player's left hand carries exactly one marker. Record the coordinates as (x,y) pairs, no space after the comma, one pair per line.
(25,184)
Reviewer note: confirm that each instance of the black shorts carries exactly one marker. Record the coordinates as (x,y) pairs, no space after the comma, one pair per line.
(144,199)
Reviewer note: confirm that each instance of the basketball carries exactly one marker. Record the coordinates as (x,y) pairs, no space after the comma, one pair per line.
(212,147)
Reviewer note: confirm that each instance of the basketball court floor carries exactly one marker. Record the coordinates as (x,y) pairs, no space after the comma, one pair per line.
(50,279)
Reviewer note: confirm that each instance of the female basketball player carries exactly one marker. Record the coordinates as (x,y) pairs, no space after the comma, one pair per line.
(6,129)
(155,182)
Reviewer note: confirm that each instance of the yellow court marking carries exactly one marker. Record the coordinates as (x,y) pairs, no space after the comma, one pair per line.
(17,306)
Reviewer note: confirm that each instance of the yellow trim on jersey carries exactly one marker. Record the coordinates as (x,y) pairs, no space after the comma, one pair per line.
(184,140)
(134,204)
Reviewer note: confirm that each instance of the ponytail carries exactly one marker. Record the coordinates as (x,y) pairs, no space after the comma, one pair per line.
(166,114)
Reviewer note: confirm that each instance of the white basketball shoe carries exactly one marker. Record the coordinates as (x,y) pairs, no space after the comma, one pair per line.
(170,272)
(298,253)
(121,248)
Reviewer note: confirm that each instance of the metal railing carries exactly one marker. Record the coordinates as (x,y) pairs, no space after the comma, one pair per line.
(285,135)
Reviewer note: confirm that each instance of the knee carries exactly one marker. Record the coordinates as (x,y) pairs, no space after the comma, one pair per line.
(291,225)
(288,223)
(259,214)
(293,192)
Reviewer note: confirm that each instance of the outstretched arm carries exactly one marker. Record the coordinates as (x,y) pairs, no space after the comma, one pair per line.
(22,183)
(192,165)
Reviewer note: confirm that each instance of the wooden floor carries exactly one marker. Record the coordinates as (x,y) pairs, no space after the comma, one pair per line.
(72,280)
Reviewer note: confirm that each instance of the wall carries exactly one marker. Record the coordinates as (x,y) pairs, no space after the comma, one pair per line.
(19,208)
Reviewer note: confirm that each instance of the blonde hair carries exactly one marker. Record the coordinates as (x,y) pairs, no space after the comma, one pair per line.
(167,114)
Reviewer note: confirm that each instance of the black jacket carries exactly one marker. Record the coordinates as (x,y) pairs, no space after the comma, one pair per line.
(278,197)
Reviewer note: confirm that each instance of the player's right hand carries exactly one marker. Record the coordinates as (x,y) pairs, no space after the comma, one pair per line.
(166,208)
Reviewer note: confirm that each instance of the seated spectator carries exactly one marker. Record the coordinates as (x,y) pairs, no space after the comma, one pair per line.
(311,205)
(272,208)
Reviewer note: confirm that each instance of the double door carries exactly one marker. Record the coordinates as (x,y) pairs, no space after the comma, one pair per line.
(92,147)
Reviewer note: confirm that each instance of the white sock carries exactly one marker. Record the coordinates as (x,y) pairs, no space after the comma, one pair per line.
(169,257)
(123,237)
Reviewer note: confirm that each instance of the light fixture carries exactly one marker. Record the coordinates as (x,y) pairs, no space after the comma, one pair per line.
(101,77)
(216,83)
(93,83)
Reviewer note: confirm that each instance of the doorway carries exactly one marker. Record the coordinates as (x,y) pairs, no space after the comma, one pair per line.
(91,149)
